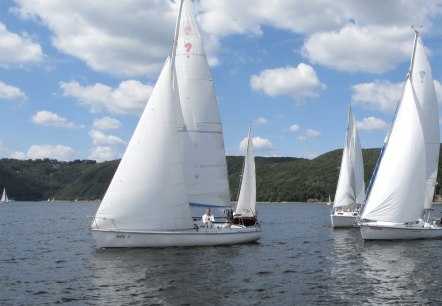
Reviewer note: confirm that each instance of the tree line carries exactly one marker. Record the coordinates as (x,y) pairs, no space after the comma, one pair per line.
(278,178)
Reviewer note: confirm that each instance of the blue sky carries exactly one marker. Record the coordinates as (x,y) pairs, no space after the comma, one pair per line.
(75,75)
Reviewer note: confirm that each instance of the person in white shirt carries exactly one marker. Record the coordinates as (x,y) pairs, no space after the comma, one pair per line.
(208,218)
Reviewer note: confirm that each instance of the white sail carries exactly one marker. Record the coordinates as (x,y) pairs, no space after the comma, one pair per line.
(400,190)
(4,198)
(351,186)
(425,94)
(147,191)
(200,132)
(246,206)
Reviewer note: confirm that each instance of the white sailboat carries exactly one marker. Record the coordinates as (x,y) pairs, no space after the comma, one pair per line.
(245,212)
(4,198)
(350,191)
(399,201)
(147,202)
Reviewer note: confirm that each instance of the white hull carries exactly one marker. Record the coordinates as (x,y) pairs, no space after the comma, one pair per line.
(375,231)
(201,237)
(343,219)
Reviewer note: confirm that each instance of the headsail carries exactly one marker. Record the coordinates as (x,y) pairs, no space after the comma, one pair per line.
(200,129)
(246,206)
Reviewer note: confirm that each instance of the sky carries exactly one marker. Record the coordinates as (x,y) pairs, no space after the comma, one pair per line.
(75,75)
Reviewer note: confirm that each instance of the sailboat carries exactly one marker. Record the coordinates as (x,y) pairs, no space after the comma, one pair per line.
(245,212)
(399,200)
(4,198)
(147,203)
(350,191)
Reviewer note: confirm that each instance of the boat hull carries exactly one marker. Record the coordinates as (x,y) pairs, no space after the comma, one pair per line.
(399,232)
(343,219)
(112,238)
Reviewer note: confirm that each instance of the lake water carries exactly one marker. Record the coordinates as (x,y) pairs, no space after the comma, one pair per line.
(48,256)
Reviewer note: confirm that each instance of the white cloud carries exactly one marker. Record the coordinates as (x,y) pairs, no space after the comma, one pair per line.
(101,139)
(130,97)
(261,121)
(299,82)
(8,92)
(102,153)
(51,119)
(354,48)
(372,124)
(87,30)
(18,155)
(312,133)
(294,127)
(107,123)
(259,144)
(58,152)
(301,138)
(16,49)
(379,95)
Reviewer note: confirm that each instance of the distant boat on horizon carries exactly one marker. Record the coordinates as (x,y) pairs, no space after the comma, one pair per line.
(4,198)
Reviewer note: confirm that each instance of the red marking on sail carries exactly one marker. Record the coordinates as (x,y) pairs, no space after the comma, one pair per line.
(188,46)
(187,30)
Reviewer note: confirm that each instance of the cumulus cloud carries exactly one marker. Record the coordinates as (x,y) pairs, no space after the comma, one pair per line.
(261,121)
(298,82)
(294,128)
(102,153)
(379,95)
(18,50)
(8,92)
(101,139)
(259,144)
(107,123)
(372,124)
(130,97)
(309,134)
(48,118)
(88,31)
(58,152)
(18,155)
(354,48)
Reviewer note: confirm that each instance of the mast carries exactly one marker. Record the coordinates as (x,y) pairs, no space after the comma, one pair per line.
(416,37)
(175,38)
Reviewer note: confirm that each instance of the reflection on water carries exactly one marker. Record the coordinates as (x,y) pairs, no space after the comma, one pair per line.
(154,276)
(394,271)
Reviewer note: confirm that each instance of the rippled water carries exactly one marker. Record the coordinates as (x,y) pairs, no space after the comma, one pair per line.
(47,256)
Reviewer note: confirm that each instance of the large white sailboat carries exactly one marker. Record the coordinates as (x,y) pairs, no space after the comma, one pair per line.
(350,191)
(245,212)
(173,159)
(399,201)
(4,198)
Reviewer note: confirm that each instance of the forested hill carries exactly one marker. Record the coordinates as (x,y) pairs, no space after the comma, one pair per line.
(278,178)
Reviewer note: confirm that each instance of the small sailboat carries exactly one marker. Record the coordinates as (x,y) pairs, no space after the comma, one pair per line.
(245,212)
(350,191)
(4,198)
(399,200)
(329,200)
(172,160)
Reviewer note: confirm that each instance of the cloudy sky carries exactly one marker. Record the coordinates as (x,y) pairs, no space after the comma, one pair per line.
(76,75)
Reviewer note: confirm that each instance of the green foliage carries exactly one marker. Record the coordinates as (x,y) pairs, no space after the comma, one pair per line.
(278,178)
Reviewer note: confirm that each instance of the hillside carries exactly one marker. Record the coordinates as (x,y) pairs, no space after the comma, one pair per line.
(278,178)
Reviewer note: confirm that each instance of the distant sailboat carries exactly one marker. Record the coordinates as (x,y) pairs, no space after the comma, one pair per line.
(399,201)
(147,202)
(4,198)
(350,191)
(245,212)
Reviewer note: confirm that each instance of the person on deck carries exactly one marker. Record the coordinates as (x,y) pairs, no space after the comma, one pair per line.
(208,218)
